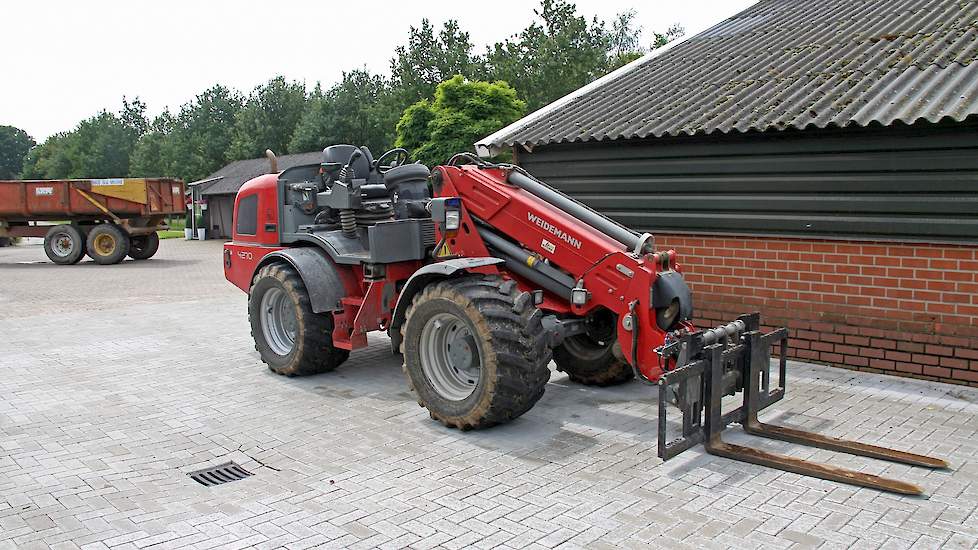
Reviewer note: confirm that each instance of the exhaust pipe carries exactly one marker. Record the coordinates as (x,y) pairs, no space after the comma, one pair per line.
(272,161)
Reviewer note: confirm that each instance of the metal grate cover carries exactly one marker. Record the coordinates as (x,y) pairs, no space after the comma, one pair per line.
(216,475)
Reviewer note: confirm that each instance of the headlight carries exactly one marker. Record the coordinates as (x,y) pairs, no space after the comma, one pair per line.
(452,220)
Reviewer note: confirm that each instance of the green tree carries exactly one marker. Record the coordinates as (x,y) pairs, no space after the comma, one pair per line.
(624,40)
(672,33)
(203,132)
(193,143)
(553,56)
(359,110)
(14,146)
(427,60)
(268,119)
(154,154)
(133,117)
(48,160)
(99,147)
(562,51)
(413,132)
(462,112)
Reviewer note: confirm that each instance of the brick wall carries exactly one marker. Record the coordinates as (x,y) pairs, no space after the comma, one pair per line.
(904,309)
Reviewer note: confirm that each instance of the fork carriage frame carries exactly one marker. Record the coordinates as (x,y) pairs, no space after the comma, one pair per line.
(737,358)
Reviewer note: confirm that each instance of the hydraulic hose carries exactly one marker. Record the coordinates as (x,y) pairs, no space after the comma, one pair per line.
(528,265)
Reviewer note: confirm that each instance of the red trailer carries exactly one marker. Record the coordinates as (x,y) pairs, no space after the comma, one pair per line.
(107,219)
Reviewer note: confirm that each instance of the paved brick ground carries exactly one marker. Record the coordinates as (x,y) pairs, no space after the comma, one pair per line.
(117,381)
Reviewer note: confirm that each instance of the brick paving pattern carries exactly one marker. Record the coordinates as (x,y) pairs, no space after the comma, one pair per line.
(117,381)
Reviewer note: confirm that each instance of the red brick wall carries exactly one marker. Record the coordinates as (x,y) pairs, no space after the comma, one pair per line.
(904,309)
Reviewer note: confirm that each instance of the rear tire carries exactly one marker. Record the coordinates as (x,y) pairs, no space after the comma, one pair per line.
(64,244)
(144,247)
(475,351)
(291,339)
(107,244)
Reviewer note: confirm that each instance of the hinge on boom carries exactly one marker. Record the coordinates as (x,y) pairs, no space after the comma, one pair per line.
(644,245)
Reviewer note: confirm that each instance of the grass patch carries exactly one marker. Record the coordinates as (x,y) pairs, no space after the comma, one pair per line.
(170,234)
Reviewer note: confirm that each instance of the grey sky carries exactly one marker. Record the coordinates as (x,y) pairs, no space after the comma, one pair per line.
(63,61)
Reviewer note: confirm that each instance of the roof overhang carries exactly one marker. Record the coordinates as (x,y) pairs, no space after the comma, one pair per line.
(496,142)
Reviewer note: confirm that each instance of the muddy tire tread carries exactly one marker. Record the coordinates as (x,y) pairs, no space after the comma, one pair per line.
(609,370)
(316,353)
(508,320)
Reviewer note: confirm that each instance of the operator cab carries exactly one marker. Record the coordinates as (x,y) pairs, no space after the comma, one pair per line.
(358,208)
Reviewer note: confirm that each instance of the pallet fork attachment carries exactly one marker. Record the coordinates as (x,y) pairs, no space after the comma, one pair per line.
(743,363)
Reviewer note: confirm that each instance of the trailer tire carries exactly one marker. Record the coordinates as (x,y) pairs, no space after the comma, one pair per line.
(107,244)
(64,244)
(509,343)
(591,363)
(279,285)
(144,247)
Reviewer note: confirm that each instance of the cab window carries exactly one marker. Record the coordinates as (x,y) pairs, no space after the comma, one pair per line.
(246,218)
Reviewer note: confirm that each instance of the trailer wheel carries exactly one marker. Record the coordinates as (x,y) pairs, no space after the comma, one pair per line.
(107,244)
(590,358)
(143,247)
(64,244)
(475,351)
(291,339)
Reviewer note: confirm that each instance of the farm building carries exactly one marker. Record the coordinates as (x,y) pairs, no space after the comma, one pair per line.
(223,185)
(815,161)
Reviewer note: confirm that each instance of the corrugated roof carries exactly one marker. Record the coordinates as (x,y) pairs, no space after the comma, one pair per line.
(783,64)
(234,175)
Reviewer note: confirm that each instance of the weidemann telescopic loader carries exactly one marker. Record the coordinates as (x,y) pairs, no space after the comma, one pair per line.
(481,275)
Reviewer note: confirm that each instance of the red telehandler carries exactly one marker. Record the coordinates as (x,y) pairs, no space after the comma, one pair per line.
(482,275)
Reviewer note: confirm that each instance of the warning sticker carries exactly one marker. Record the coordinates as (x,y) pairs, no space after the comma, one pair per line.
(107,182)
(43,191)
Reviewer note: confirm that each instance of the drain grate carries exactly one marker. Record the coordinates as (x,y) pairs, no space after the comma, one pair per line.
(224,473)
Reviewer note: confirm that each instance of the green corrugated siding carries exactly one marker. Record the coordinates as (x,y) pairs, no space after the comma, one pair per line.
(904,183)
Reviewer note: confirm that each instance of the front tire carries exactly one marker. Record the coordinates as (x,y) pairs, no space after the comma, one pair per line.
(107,244)
(64,244)
(475,351)
(591,358)
(591,363)
(291,339)
(144,247)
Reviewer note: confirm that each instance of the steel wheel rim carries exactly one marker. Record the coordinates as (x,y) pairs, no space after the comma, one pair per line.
(278,321)
(450,357)
(104,244)
(63,245)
